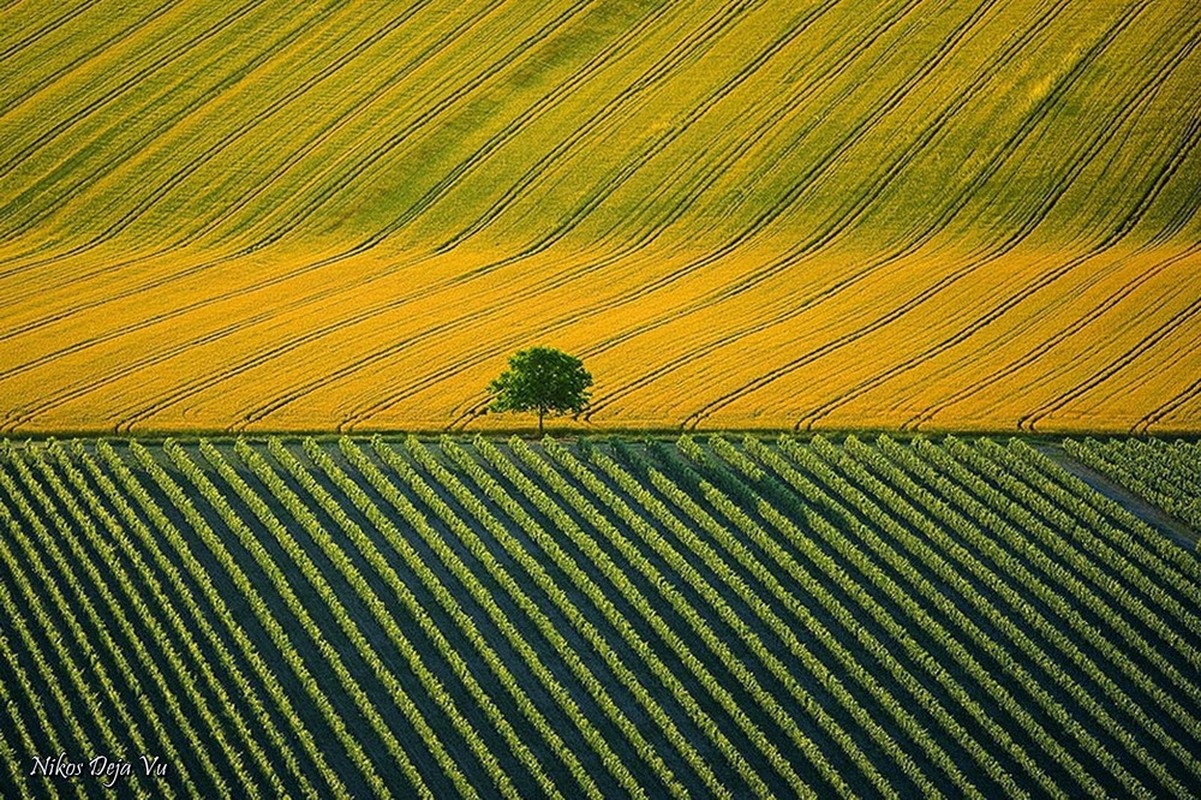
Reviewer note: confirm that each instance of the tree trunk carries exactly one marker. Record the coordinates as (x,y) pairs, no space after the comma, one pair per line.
(541,411)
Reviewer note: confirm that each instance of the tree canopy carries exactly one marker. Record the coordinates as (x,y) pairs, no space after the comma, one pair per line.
(542,379)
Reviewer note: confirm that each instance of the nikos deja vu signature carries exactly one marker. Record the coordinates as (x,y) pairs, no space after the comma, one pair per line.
(106,768)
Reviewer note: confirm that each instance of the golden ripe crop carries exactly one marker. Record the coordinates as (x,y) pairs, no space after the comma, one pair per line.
(886,214)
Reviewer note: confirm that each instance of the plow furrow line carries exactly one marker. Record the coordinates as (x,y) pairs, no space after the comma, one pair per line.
(297,157)
(1165,329)
(1080,323)
(682,54)
(749,282)
(53,25)
(118,37)
(64,193)
(278,351)
(358,416)
(374,155)
(171,56)
(1145,92)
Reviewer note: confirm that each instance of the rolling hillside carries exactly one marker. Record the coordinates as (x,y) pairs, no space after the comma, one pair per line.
(756,214)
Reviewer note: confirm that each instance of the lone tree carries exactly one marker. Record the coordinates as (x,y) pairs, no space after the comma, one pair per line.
(541,379)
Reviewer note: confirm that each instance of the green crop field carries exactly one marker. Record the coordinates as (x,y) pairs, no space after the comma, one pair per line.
(710,617)
(948,215)
(261,534)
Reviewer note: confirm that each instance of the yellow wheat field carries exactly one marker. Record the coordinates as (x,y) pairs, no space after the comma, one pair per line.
(914,214)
